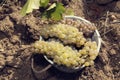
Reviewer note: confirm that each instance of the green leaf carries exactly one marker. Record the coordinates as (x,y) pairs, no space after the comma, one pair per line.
(54,12)
(59,10)
(29,6)
(45,15)
(44,3)
(35,4)
(56,16)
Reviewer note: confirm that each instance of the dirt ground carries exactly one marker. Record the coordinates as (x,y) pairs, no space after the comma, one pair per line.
(17,33)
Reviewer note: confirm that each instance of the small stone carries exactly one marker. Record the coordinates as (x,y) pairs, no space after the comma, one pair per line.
(2,63)
(112,52)
(9,58)
(117,6)
(1,50)
(2,56)
(119,62)
(113,17)
(15,39)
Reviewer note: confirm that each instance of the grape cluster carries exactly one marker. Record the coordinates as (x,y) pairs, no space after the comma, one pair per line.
(89,53)
(82,26)
(67,34)
(58,52)
(64,53)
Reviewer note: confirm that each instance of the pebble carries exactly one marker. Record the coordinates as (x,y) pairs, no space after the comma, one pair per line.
(112,17)
(112,52)
(2,61)
(117,6)
(1,50)
(9,58)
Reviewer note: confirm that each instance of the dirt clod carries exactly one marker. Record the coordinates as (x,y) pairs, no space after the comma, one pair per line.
(6,26)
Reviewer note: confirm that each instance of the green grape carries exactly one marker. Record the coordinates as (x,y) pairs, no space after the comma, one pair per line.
(91,62)
(86,63)
(81,61)
(68,34)
(92,57)
(63,54)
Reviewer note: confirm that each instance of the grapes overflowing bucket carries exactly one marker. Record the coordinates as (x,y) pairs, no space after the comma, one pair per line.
(62,54)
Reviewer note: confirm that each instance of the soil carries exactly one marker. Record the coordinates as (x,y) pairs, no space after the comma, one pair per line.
(17,34)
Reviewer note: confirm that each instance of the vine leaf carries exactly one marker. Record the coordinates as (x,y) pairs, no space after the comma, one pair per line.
(29,6)
(44,3)
(59,10)
(55,11)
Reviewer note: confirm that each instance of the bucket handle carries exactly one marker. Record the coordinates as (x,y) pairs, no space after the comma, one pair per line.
(40,71)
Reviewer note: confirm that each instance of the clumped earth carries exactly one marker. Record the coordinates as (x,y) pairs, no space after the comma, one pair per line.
(17,33)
